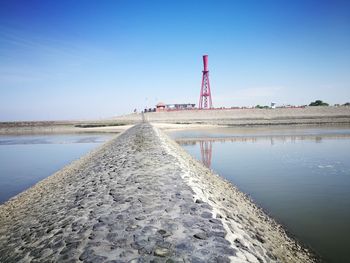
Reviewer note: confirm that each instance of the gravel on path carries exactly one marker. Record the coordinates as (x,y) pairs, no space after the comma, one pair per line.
(139,198)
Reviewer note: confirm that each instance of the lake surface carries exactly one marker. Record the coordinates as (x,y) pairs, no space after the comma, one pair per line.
(300,176)
(27,159)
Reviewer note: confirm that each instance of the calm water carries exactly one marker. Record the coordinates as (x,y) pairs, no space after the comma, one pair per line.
(300,176)
(25,160)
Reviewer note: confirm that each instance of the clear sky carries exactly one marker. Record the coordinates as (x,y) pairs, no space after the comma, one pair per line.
(96,59)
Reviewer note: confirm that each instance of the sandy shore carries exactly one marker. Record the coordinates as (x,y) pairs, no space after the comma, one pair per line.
(191,119)
(140,198)
(65,127)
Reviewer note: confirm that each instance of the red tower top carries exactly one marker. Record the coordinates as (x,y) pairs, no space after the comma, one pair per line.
(205,95)
(205,62)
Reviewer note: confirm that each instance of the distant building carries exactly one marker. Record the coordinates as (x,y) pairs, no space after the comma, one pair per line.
(149,110)
(273,105)
(184,106)
(160,106)
(168,107)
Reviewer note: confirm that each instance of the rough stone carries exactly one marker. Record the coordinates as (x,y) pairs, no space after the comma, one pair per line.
(200,235)
(162,252)
(132,200)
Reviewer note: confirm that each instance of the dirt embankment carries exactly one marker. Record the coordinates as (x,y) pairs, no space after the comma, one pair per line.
(231,117)
(190,119)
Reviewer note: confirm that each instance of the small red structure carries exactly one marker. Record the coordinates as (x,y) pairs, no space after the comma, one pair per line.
(205,95)
(160,106)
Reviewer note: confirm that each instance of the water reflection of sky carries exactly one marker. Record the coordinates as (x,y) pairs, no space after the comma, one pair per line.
(54,139)
(303,180)
(272,132)
(27,159)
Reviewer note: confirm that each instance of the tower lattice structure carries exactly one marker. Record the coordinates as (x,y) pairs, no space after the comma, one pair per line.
(205,101)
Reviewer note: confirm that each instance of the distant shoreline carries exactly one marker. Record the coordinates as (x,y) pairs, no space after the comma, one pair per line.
(61,127)
(188,119)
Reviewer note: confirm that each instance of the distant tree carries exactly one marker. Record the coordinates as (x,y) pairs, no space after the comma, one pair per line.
(346,104)
(318,103)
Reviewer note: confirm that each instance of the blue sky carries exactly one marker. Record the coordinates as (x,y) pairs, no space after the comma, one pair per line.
(94,59)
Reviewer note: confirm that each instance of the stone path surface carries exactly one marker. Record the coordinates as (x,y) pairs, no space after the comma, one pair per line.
(139,198)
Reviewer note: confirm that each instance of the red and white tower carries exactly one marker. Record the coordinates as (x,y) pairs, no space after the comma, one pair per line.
(205,96)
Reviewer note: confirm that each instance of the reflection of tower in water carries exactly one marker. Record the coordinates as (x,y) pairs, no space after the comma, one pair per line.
(206,151)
